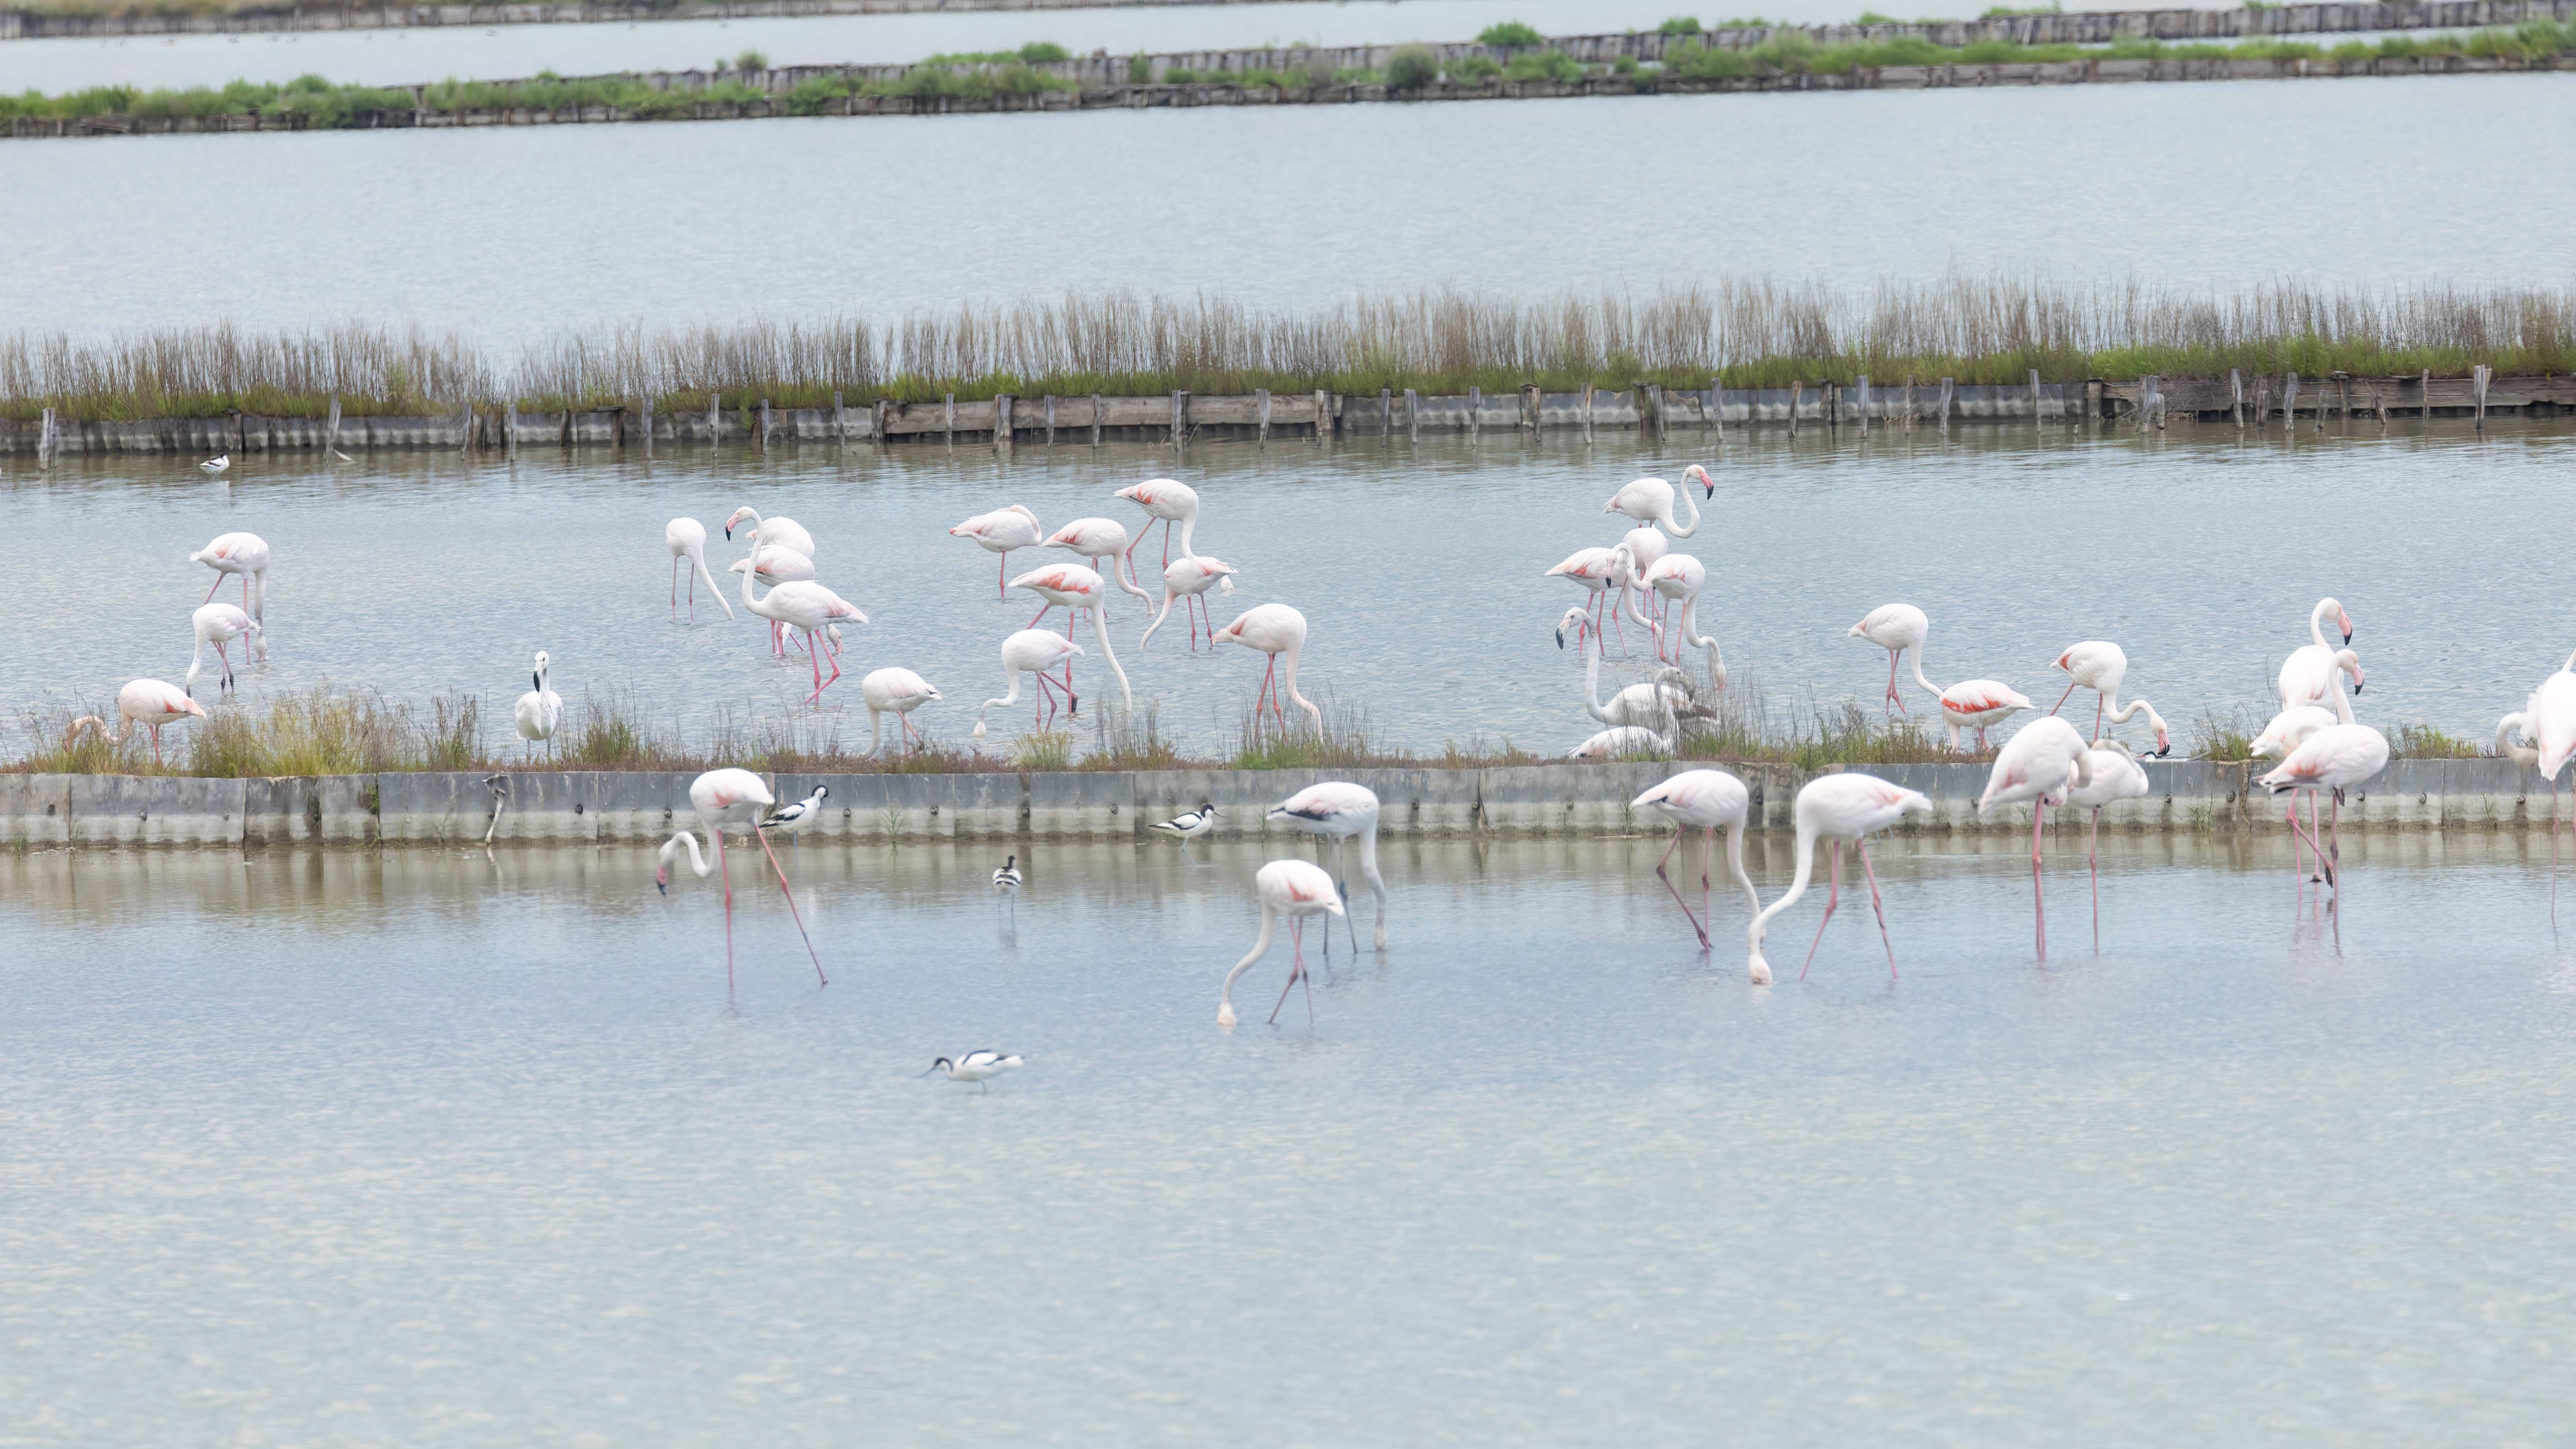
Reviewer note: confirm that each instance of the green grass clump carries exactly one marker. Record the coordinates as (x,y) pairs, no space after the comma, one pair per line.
(2425,742)
(1411,68)
(1546,65)
(1510,34)
(1680,25)
(1043,752)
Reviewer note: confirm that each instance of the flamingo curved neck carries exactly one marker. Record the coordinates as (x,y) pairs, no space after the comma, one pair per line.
(1684,530)
(1929,687)
(698,863)
(2343,702)
(1376,882)
(1693,639)
(1260,947)
(1288,680)
(1735,864)
(2317,622)
(1806,848)
(751,566)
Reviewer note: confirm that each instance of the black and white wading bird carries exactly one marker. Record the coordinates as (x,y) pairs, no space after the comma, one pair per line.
(216,464)
(1189,825)
(791,820)
(978,1067)
(1007,879)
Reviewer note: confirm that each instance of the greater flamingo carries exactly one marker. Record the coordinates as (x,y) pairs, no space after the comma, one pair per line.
(1622,742)
(1296,889)
(1189,577)
(1707,799)
(1001,531)
(897,691)
(805,606)
(2309,671)
(1646,547)
(1598,571)
(686,538)
(2095,664)
(2341,755)
(731,798)
(779,532)
(2286,732)
(1678,578)
(1340,811)
(1656,703)
(218,624)
(243,556)
(1034,651)
(1650,500)
(2548,718)
(1280,632)
(150,703)
(770,565)
(2115,775)
(1895,628)
(2040,763)
(1098,538)
(1969,704)
(540,710)
(1838,808)
(1170,500)
(1077,589)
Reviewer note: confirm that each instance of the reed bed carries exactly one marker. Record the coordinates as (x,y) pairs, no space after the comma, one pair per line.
(1750,332)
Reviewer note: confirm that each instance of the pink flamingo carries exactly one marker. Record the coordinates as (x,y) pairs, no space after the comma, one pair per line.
(1278,631)
(2548,720)
(999,532)
(1895,628)
(804,606)
(1188,578)
(1034,652)
(2116,776)
(2310,670)
(1706,799)
(1170,500)
(2341,755)
(731,798)
(1598,571)
(772,564)
(150,703)
(1077,589)
(1678,578)
(1296,889)
(778,532)
(243,556)
(686,538)
(1098,538)
(2040,763)
(1843,807)
(898,692)
(1646,547)
(1650,501)
(220,624)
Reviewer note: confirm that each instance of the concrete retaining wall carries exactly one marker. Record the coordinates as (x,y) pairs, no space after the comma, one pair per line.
(568,807)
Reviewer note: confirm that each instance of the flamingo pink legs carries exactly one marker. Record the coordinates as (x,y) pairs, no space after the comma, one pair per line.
(815,655)
(1676,894)
(1269,694)
(1833,893)
(1895,701)
(2039,908)
(791,911)
(1297,971)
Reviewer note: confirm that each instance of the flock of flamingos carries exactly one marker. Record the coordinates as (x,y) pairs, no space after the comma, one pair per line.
(2322,751)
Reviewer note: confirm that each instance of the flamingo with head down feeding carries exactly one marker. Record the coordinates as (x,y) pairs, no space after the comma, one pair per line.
(1340,811)
(150,703)
(1658,703)
(1976,704)
(2116,775)
(999,532)
(2343,754)
(1034,652)
(1170,500)
(1678,578)
(1188,578)
(1280,632)
(1599,571)
(219,624)
(1707,799)
(772,564)
(1622,742)
(1296,889)
(686,538)
(2040,763)
(898,692)
(1078,590)
(805,606)
(1098,538)
(1837,808)
(238,555)
(734,798)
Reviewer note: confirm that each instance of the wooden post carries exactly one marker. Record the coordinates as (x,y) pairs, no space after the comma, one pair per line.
(1323,417)
(1475,413)
(764,425)
(1003,427)
(2343,397)
(2479,377)
(1532,400)
(2236,387)
(2092,401)
(1098,409)
(840,421)
(1180,417)
(881,421)
(645,406)
(2424,395)
(1946,388)
(1050,407)
(1863,388)
(1832,405)
(1386,412)
(2151,404)
(2290,403)
(331,435)
(2379,405)
(1797,399)
(465,428)
(948,432)
(1412,418)
(1717,408)
(1587,412)
(1261,415)
(45,441)
(1655,399)
(2034,397)
(715,418)
(510,429)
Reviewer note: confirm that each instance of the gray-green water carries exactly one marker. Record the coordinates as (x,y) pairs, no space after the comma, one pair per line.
(432,1149)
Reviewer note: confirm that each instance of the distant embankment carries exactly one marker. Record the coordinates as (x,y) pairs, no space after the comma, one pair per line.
(641,808)
(89,19)
(1322,416)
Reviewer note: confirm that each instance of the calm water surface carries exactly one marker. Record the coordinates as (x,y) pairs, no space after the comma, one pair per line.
(435,1149)
(678,224)
(1420,570)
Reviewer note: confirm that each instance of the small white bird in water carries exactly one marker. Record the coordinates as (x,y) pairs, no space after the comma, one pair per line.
(216,464)
(1190,824)
(1008,878)
(793,819)
(976,1067)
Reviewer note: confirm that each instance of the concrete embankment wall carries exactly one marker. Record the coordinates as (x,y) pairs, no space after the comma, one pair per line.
(2094,27)
(573,807)
(1317,416)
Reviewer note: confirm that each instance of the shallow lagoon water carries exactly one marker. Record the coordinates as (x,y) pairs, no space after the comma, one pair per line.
(1420,569)
(674,225)
(435,1148)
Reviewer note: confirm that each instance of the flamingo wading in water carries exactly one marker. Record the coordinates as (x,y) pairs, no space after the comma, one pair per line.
(804,606)
(896,691)
(1280,632)
(1077,589)
(1188,578)
(1170,500)
(1896,628)
(1296,889)
(2116,776)
(150,703)
(1842,807)
(243,556)
(2343,754)
(1001,531)
(1707,799)
(686,538)
(2039,764)
(733,798)
(1650,501)
(1034,652)
(1340,811)
(1098,538)
(218,624)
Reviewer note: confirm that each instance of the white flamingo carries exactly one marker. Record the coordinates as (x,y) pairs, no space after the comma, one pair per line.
(1170,500)
(1188,578)
(1650,500)
(898,692)
(1658,703)
(218,624)
(1280,632)
(540,710)
(1623,742)
(1598,572)
(1341,811)
(779,532)
(2116,775)
(1895,628)
(1001,531)
(2309,671)
(1034,651)
(1078,590)
(2343,754)
(1844,807)
(732,798)
(686,538)
(805,606)
(1706,799)
(1678,578)
(1296,889)
(243,556)
(150,703)
(1098,538)
(2039,764)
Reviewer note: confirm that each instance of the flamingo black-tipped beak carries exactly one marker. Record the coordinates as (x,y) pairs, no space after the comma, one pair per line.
(1560,638)
(662,887)
(2356,691)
